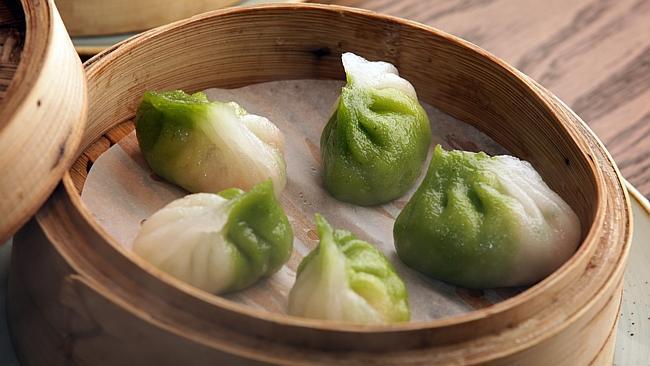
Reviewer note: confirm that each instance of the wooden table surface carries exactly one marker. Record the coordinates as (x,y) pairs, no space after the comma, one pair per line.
(593,54)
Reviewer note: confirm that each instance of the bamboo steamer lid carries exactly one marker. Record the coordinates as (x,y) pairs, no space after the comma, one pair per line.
(42,107)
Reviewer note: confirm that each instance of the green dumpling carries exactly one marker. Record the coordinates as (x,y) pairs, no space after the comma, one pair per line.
(206,146)
(218,242)
(482,222)
(347,279)
(377,139)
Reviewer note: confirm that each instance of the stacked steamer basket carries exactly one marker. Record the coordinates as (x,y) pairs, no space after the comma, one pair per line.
(76,296)
(101,17)
(42,108)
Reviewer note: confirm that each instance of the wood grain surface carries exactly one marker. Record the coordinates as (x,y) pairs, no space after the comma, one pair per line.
(593,54)
(42,108)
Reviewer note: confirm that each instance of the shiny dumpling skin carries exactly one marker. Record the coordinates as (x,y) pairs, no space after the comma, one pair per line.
(349,280)
(218,242)
(376,141)
(206,146)
(482,222)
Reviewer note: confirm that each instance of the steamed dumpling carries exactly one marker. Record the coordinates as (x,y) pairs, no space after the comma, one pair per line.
(375,143)
(347,279)
(206,146)
(481,222)
(218,242)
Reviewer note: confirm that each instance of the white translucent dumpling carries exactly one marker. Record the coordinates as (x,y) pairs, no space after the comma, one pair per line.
(218,242)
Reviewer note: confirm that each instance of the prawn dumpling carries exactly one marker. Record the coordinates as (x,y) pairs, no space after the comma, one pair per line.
(481,222)
(347,279)
(218,242)
(375,143)
(206,146)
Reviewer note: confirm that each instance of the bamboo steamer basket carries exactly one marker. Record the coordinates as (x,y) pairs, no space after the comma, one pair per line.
(102,17)
(76,296)
(42,109)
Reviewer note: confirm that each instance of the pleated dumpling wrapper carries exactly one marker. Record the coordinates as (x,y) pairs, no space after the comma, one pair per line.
(482,222)
(218,242)
(376,141)
(206,146)
(349,280)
